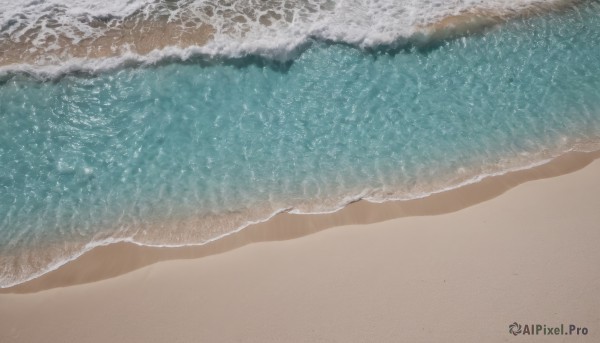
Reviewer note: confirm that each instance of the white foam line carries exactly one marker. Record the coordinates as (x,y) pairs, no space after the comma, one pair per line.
(363,196)
(362,23)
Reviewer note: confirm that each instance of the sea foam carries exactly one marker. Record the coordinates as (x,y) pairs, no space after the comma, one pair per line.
(57,35)
(186,153)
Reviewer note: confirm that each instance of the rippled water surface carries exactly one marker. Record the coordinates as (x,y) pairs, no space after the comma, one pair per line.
(183,153)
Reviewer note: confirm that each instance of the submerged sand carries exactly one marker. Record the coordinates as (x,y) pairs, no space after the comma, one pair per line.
(457,267)
(51,42)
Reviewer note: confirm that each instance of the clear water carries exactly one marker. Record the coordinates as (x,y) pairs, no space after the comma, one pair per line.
(183,153)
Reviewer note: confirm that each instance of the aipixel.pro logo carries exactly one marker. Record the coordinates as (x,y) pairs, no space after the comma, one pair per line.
(546,330)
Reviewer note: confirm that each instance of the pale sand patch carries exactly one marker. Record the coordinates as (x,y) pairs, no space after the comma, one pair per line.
(141,36)
(129,37)
(479,19)
(528,255)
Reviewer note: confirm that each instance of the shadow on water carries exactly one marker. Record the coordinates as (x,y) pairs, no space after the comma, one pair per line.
(419,43)
(279,65)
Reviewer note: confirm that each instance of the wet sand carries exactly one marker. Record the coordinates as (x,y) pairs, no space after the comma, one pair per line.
(138,36)
(457,266)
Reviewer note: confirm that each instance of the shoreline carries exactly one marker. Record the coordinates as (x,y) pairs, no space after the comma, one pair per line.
(115,259)
(527,255)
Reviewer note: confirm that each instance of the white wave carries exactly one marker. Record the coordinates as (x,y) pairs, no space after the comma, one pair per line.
(365,23)
(36,8)
(48,31)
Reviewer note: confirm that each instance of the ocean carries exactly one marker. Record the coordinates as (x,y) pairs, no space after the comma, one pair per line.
(172,123)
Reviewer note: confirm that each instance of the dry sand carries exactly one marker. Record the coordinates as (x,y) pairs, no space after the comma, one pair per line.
(456,267)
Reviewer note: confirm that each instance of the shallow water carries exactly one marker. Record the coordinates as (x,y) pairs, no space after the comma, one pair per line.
(185,152)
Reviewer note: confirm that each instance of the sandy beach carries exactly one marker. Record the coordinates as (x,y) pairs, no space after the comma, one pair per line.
(177,124)
(459,266)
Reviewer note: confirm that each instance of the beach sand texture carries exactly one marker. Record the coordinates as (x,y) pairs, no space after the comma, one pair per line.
(527,254)
(370,97)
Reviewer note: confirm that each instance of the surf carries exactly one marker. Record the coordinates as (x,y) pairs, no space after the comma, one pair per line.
(53,37)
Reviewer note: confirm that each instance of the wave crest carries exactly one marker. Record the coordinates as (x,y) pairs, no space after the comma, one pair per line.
(53,36)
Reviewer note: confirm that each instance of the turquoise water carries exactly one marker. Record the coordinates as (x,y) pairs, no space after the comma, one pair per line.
(182,153)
